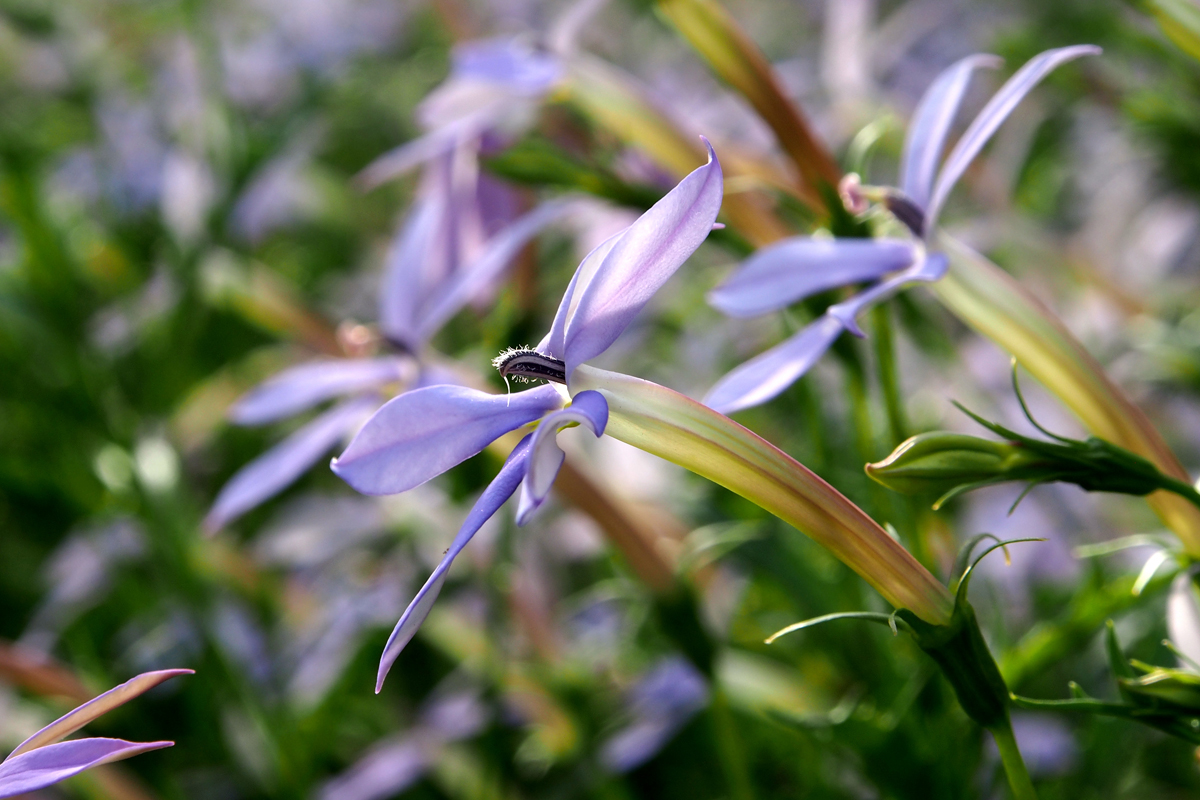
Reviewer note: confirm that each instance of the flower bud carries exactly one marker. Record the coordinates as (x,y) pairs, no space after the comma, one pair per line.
(941,462)
(1163,686)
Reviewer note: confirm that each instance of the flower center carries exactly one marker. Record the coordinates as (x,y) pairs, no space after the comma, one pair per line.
(526,364)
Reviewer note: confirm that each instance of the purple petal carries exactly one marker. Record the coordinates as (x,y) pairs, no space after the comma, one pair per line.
(636,743)
(301,387)
(387,770)
(395,163)
(421,434)
(554,343)
(498,253)
(787,271)
(495,495)
(509,62)
(589,409)
(403,279)
(641,261)
(765,376)
(928,270)
(993,114)
(931,124)
(662,702)
(276,469)
(96,707)
(48,765)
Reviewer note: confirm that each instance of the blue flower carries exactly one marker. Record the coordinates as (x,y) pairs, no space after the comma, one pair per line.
(440,261)
(799,267)
(423,433)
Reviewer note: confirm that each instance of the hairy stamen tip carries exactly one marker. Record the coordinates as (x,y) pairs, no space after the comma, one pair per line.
(526,364)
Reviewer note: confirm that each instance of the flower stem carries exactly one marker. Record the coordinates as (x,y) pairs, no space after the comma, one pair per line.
(729,748)
(889,380)
(1014,764)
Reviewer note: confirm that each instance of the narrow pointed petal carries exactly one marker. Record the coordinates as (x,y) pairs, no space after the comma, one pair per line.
(495,495)
(406,265)
(421,434)
(49,765)
(587,409)
(96,707)
(641,261)
(276,469)
(993,115)
(674,427)
(403,159)
(301,387)
(498,253)
(931,124)
(763,377)
(780,274)
(555,342)
(927,270)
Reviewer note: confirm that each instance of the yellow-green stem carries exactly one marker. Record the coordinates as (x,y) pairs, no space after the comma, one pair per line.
(669,425)
(1014,765)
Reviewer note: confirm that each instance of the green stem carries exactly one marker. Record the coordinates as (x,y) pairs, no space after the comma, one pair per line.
(678,615)
(889,380)
(1181,488)
(1014,764)
(729,747)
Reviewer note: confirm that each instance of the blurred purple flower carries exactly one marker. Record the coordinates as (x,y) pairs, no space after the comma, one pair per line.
(660,704)
(78,574)
(795,268)
(423,433)
(433,270)
(396,763)
(494,87)
(1047,745)
(44,759)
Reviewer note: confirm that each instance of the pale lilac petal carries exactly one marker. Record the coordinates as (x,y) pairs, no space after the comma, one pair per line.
(931,124)
(97,707)
(387,770)
(765,376)
(641,261)
(395,163)
(993,115)
(512,63)
(589,409)
(555,342)
(276,469)
(661,703)
(928,270)
(780,274)
(498,253)
(444,228)
(301,387)
(421,434)
(48,765)
(403,279)
(495,495)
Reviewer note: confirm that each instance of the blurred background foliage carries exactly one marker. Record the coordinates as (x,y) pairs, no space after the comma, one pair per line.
(179,219)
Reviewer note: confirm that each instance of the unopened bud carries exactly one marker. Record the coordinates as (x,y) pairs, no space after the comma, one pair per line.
(940,462)
(1162,686)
